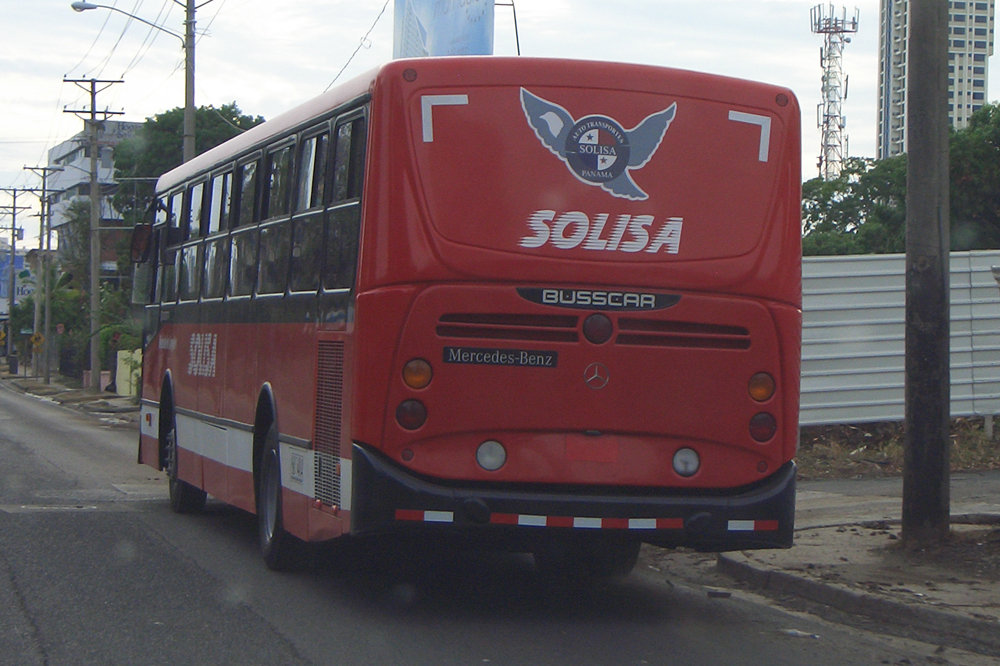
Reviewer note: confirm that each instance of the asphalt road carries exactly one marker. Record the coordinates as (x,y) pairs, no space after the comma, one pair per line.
(95,569)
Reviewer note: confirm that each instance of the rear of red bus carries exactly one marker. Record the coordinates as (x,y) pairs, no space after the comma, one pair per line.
(579,307)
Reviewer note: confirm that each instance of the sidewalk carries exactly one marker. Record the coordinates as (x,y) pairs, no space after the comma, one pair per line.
(111,407)
(848,557)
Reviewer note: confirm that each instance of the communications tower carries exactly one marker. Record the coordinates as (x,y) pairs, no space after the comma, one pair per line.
(836,28)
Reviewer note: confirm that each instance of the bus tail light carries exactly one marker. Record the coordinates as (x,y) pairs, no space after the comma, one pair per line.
(763,426)
(491,455)
(417,373)
(411,414)
(761,387)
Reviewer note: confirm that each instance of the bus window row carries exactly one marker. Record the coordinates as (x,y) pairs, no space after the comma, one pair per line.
(302,254)
(290,176)
(285,218)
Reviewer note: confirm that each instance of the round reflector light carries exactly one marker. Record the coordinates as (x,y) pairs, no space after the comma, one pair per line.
(417,373)
(597,328)
(761,387)
(763,426)
(411,414)
(686,462)
(491,455)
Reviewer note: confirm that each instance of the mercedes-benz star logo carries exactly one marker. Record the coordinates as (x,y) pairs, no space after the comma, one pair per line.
(596,376)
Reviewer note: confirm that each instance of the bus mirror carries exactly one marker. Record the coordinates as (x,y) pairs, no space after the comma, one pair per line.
(142,235)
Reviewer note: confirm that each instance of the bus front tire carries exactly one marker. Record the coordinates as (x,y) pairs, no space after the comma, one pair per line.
(279,548)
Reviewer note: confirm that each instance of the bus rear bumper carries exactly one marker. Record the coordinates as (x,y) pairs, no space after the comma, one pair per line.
(388,499)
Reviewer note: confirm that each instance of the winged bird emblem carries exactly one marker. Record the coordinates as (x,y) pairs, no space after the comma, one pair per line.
(596,148)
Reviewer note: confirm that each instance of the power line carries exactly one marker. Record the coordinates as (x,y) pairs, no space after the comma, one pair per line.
(360,44)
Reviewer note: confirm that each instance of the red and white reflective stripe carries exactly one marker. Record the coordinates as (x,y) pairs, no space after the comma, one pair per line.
(425,516)
(753,525)
(531,520)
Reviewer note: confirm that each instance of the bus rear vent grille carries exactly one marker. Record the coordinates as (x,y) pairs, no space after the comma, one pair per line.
(484,326)
(329,417)
(653,333)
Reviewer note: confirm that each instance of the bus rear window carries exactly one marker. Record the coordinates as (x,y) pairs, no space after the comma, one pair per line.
(604,175)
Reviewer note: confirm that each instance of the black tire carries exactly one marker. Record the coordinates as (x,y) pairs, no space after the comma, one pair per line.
(184,498)
(279,549)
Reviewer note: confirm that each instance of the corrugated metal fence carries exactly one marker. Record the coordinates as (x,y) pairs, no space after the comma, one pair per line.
(853,331)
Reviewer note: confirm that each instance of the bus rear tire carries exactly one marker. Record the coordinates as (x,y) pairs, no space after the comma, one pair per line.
(279,549)
(184,498)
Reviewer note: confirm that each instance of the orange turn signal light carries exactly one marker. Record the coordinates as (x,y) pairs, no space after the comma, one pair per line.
(417,373)
(761,387)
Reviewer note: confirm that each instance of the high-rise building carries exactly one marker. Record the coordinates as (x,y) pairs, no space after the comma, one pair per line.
(970,44)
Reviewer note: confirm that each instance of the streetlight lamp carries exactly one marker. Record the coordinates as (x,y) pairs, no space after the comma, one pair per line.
(187,42)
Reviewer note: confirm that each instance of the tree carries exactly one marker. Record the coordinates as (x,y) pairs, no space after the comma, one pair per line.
(157,147)
(975,182)
(864,210)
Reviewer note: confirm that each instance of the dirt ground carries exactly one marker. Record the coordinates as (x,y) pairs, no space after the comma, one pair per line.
(876,450)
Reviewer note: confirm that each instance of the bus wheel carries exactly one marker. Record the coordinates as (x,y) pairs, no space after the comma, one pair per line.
(576,559)
(279,548)
(184,498)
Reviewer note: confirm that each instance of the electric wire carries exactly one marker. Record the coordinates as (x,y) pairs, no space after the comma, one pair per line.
(360,44)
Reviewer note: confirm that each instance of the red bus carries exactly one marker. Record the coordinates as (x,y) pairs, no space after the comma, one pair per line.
(550,305)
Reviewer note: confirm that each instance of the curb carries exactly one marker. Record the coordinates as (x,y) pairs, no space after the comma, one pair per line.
(978,635)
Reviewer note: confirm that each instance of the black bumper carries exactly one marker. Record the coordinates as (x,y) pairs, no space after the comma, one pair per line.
(387,499)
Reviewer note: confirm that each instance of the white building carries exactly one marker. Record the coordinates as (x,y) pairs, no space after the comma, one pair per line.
(970,44)
(73,182)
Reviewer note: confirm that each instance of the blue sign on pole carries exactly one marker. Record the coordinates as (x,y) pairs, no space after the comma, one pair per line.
(442,28)
(20,289)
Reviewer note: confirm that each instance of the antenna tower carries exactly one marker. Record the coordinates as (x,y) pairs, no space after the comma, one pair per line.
(836,28)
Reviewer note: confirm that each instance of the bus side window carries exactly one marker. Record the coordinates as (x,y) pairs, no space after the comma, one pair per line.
(279,183)
(189,274)
(307,248)
(341,247)
(168,278)
(247,178)
(193,210)
(242,262)
(175,209)
(220,198)
(274,250)
(311,183)
(216,266)
(349,160)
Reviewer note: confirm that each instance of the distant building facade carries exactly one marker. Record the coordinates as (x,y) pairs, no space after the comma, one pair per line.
(73,183)
(970,45)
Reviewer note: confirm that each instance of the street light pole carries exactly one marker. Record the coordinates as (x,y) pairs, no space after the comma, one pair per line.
(187,42)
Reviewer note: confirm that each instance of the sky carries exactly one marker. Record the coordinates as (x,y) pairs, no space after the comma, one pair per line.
(268,56)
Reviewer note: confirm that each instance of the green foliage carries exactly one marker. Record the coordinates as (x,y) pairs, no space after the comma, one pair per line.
(864,210)
(158,147)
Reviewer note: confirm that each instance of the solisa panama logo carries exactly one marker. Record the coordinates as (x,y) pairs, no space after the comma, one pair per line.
(596,148)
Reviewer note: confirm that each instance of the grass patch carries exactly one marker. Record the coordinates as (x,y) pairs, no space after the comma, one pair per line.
(877,449)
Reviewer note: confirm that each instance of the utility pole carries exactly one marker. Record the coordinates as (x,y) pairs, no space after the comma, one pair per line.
(12,209)
(189,110)
(926,501)
(44,249)
(89,117)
